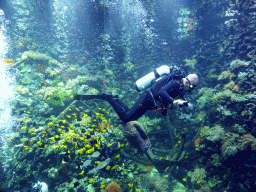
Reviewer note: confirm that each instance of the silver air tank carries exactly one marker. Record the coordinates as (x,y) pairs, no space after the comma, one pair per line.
(145,82)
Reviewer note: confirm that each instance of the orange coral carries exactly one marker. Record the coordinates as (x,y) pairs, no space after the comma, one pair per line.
(150,168)
(190,28)
(112,187)
(236,87)
(69,75)
(190,20)
(41,68)
(197,141)
(74,143)
(231,76)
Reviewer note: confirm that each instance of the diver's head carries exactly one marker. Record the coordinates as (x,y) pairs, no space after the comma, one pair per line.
(190,82)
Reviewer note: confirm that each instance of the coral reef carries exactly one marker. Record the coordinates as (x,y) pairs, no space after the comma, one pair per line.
(246,141)
(112,187)
(155,183)
(21,90)
(38,56)
(62,142)
(235,64)
(191,63)
(216,133)
(224,75)
(229,147)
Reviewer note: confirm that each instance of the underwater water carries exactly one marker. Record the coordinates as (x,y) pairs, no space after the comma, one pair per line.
(64,64)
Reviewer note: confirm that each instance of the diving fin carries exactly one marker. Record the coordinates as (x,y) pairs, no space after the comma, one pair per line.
(89,96)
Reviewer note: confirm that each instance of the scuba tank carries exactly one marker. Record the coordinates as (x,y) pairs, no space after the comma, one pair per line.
(146,81)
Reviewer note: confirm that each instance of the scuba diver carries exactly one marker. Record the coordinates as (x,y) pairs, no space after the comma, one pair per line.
(164,86)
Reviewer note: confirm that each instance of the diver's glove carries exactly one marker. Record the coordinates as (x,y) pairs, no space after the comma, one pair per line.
(181,103)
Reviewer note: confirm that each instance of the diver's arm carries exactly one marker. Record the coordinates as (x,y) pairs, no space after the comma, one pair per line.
(163,93)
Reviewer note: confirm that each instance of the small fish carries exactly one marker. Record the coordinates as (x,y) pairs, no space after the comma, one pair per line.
(130,185)
(90,150)
(95,154)
(8,61)
(53,73)
(114,145)
(89,147)
(103,164)
(86,163)
(44,82)
(102,186)
(63,67)
(82,172)
(104,81)
(91,181)
(115,167)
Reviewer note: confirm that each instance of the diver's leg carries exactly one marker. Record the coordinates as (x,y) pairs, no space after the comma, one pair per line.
(139,108)
(122,104)
(102,96)
(142,104)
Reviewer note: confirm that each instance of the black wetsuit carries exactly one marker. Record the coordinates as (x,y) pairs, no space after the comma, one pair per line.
(148,100)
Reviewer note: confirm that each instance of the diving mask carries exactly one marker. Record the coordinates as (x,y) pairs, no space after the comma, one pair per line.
(191,86)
